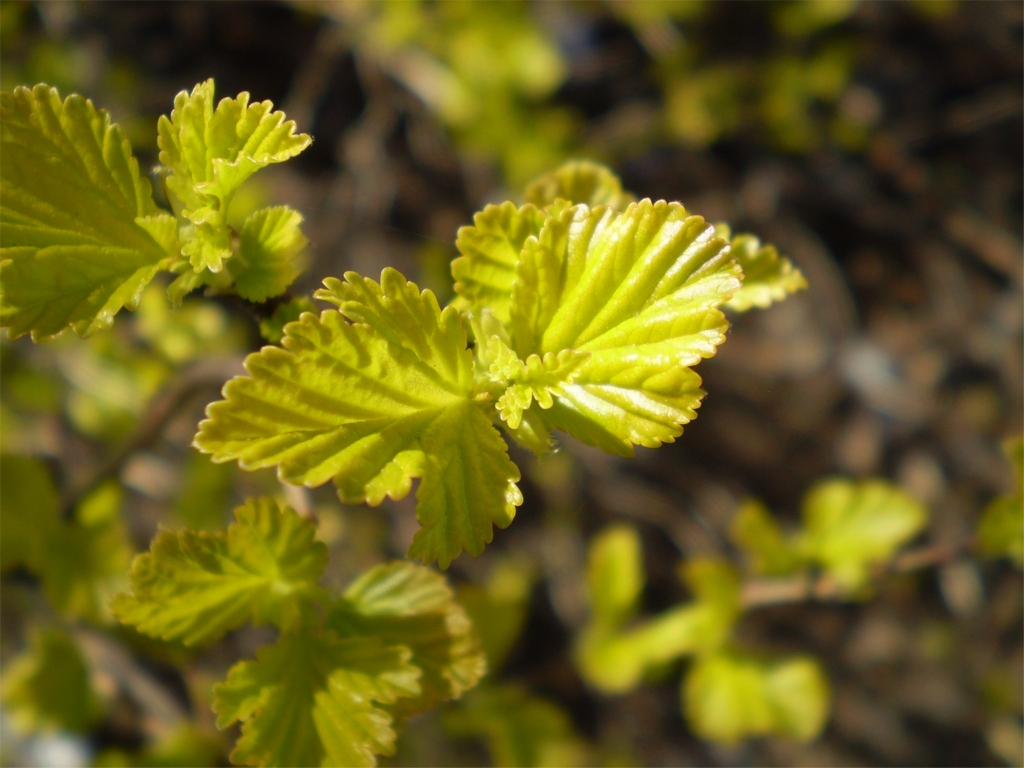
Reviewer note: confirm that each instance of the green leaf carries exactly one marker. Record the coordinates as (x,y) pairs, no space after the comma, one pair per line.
(28,510)
(614,659)
(1001,530)
(47,687)
(499,608)
(728,697)
(312,699)
(536,378)
(406,604)
(210,151)
(373,404)
(767,277)
(490,249)
(194,587)
(270,245)
(758,534)
(579,181)
(519,729)
(272,328)
(615,575)
(639,291)
(81,235)
(850,527)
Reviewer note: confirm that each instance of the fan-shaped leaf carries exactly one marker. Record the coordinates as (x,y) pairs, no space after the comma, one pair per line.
(210,150)
(579,181)
(408,604)
(81,235)
(758,534)
(269,247)
(195,587)
(767,276)
(312,699)
(372,404)
(638,291)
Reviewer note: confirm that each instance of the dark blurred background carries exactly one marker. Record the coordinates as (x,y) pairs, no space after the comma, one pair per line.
(877,144)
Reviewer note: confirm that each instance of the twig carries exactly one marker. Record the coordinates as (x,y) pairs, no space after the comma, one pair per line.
(211,372)
(758,593)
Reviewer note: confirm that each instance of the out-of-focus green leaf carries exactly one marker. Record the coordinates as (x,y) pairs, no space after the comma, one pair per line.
(268,259)
(1001,530)
(614,659)
(81,235)
(28,510)
(615,575)
(205,489)
(579,181)
(758,534)
(639,291)
(372,404)
(728,697)
(767,277)
(850,527)
(195,587)
(184,745)
(47,687)
(313,698)
(499,608)
(490,250)
(210,150)
(406,604)
(519,729)
(272,329)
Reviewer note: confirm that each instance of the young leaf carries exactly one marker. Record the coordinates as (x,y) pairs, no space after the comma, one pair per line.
(210,150)
(767,277)
(536,378)
(267,262)
(194,587)
(758,534)
(728,697)
(579,181)
(372,404)
(519,729)
(47,687)
(1001,530)
(490,250)
(81,235)
(312,699)
(615,575)
(638,291)
(407,604)
(849,527)
(272,328)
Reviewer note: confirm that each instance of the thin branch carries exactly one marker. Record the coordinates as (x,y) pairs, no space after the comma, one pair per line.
(758,593)
(203,375)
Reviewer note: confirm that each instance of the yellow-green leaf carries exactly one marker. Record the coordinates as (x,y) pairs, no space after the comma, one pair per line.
(758,534)
(767,276)
(579,181)
(1001,530)
(194,587)
(80,234)
(269,249)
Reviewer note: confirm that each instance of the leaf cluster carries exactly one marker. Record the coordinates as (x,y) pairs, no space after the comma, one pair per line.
(582,311)
(82,236)
(344,667)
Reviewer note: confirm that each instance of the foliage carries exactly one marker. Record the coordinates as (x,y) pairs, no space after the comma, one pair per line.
(729,694)
(1001,530)
(327,690)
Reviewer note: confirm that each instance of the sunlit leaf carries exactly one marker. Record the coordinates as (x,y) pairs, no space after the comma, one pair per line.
(81,235)
(537,378)
(615,575)
(490,249)
(767,276)
(47,687)
(372,404)
(267,261)
(313,698)
(728,697)
(210,149)
(406,604)
(850,527)
(579,181)
(639,291)
(196,586)
(272,328)
(1001,530)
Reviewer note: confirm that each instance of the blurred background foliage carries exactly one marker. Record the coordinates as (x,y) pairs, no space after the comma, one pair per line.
(877,144)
